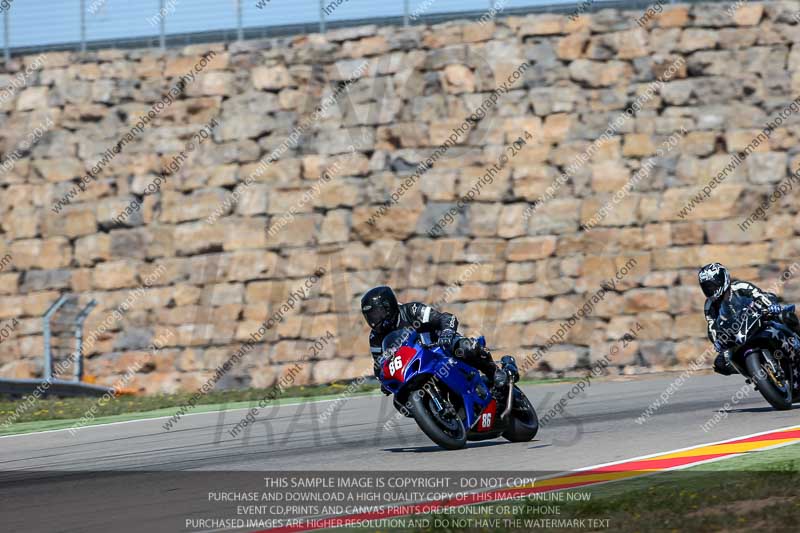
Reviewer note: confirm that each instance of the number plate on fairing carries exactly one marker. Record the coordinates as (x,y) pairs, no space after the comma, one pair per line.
(488,417)
(394,366)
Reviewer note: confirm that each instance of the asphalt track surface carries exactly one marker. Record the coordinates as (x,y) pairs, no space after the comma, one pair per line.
(599,426)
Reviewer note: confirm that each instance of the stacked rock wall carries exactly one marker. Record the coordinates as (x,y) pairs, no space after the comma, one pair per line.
(546,178)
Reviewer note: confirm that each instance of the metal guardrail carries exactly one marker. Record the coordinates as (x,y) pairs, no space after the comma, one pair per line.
(76,324)
(51,384)
(48,334)
(79,338)
(55,387)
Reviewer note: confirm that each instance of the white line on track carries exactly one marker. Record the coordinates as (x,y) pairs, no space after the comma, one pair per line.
(642,457)
(170,416)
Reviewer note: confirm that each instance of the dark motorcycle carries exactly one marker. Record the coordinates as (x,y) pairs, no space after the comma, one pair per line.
(450,400)
(760,347)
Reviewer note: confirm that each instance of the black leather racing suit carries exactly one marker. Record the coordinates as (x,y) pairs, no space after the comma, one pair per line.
(425,319)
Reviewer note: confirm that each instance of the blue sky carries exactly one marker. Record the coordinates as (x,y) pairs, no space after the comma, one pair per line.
(34,22)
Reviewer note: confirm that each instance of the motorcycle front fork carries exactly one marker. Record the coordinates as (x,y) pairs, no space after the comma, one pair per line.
(774,366)
(442,406)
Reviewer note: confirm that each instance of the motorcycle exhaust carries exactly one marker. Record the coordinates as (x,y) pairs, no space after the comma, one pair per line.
(509,401)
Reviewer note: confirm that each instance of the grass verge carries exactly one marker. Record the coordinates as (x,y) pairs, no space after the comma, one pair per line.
(58,413)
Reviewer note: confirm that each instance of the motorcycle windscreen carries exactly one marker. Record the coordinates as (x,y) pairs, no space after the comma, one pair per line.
(397,338)
(736,318)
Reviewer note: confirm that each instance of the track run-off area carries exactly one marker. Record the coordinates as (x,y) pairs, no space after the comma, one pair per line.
(596,439)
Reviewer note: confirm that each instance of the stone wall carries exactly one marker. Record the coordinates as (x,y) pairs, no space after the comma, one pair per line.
(193,243)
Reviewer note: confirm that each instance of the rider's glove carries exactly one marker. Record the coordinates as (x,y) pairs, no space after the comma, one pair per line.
(378,366)
(446,337)
(718,346)
(774,309)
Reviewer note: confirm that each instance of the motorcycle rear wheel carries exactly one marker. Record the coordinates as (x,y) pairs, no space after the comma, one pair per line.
(524,423)
(450,438)
(778,395)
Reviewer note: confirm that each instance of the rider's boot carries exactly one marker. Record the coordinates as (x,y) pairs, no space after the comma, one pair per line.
(791,321)
(498,377)
(500,384)
(509,364)
(507,371)
(723,366)
(481,358)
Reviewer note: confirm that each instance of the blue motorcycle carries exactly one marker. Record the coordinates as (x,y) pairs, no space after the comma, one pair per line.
(450,400)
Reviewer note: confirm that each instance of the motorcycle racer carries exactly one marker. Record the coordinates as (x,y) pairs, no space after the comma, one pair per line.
(721,293)
(384,314)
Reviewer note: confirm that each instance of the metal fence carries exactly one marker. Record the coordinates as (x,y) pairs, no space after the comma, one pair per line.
(32,26)
(39,25)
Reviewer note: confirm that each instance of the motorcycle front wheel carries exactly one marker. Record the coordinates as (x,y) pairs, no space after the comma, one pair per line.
(776,389)
(446,430)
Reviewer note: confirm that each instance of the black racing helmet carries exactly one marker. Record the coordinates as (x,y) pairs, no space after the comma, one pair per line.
(379,307)
(714,280)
